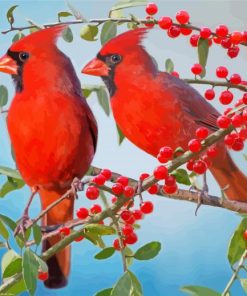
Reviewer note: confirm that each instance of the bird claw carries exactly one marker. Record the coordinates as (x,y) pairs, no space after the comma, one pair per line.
(201,193)
(24,223)
(139,191)
(77,185)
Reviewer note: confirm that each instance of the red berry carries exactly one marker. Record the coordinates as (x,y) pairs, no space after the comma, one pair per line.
(166,151)
(64,230)
(194,145)
(190,164)
(182,17)
(42,276)
(200,167)
(131,220)
(226,97)
(221,72)
(79,238)
(233,52)
(131,239)
(174,31)
(186,31)
(217,40)
(138,214)
(170,181)
(122,180)
(245,234)
(125,215)
(196,69)
(228,110)
(244,98)
(194,40)
(238,144)
(116,244)
(165,22)
(229,139)
(226,43)
(174,73)
(221,31)
(209,94)
(127,229)
(236,37)
(95,209)
(99,179)
(106,173)
(150,22)
(161,158)
(237,120)
(113,199)
(82,213)
(244,114)
(151,8)
(143,176)
(235,79)
(223,121)
(117,188)
(244,36)
(170,189)
(202,133)
(212,151)
(153,189)
(147,207)
(160,172)
(206,159)
(243,133)
(92,192)
(129,191)
(205,32)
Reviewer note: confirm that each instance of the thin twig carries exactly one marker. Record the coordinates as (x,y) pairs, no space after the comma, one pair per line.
(216,83)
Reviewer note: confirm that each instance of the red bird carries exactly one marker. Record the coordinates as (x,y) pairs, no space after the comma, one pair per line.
(155,109)
(52,129)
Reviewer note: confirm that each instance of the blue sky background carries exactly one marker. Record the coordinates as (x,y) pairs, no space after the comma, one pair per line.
(193,248)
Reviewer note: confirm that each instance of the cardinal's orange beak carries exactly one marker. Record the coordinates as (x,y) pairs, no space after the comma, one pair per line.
(96,67)
(8,65)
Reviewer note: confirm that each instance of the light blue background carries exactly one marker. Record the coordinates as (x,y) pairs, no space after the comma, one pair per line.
(193,248)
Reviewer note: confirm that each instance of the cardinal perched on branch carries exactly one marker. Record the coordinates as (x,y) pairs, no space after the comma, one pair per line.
(155,109)
(52,130)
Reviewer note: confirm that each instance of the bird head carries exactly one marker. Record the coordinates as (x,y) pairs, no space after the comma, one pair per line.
(29,49)
(122,57)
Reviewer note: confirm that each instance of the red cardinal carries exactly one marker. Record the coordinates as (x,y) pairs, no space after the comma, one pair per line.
(52,129)
(155,109)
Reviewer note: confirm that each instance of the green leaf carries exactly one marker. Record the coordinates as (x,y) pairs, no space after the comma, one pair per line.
(181,176)
(76,13)
(9,14)
(109,30)
(2,245)
(136,289)
(11,264)
(41,263)
(123,286)
(128,3)
(67,34)
(245,156)
(9,222)
(10,172)
(103,100)
(63,14)
(89,32)
(95,239)
(203,49)
(105,292)
(17,288)
(100,229)
(129,256)
(131,25)
(148,251)
(86,92)
(199,291)
(33,29)
(19,238)
(37,234)
(237,244)
(18,36)
(121,136)
(30,270)
(3,231)
(169,66)
(10,185)
(3,95)
(116,14)
(244,284)
(105,253)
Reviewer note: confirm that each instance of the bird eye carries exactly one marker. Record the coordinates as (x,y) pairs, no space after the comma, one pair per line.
(23,56)
(116,58)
